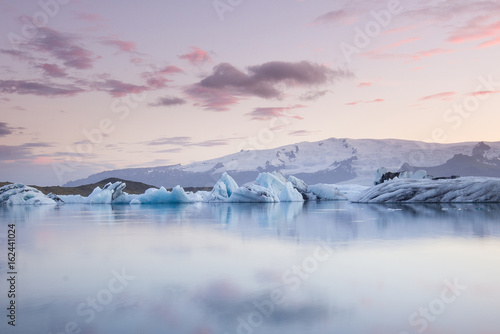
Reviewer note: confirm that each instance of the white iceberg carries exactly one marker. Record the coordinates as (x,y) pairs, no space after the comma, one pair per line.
(298,183)
(290,194)
(460,190)
(275,182)
(20,194)
(327,192)
(223,189)
(162,196)
(252,192)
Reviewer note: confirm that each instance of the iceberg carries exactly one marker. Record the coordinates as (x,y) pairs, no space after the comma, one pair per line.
(458,190)
(290,194)
(223,189)
(327,192)
(274,181)
(20,194)
(252,192)
(162,196)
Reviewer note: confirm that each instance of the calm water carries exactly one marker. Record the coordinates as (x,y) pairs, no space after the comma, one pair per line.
(330,267)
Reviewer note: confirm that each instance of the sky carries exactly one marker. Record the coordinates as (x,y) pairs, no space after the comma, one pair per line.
(87,86)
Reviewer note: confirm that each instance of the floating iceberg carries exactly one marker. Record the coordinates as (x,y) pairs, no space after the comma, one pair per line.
(327,192)
(16,193)
(162,196)
(290,194)
(459,190)
(223,189)
(253,193)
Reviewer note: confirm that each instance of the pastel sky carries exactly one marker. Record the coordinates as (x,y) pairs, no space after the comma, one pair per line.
(87,86)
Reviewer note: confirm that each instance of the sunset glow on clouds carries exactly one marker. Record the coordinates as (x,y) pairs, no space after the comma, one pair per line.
(88,86)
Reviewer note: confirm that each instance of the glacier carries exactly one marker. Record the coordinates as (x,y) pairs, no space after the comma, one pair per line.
(459,190)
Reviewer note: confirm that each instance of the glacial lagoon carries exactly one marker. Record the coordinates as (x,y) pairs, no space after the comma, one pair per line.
(210,268)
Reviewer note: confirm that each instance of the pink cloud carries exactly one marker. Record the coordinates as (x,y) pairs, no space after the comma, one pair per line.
(122,46)
(53,70)
(489,43)
(484,92)
(475,29)
(170,70)
(197,56)
(364,84)
(263,114)
(137,60)
(210,98)
(357,102)
(445,96)
(376,54)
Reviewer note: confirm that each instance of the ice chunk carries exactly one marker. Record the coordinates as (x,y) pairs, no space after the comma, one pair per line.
(327,192)
(466,189)
(275,182)
(290,194)
(162,196)
(223,189)
(20,194)
(253,193)
(298,183)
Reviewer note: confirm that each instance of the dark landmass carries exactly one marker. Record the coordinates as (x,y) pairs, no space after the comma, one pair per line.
(85,190)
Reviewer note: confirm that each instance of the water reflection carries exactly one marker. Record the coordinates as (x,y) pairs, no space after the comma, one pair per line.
(213,268)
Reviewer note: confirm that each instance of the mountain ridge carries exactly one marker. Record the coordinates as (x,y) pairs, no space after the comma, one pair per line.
(332,160)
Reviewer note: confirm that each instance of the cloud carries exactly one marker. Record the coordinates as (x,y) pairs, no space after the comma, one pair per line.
(196,57)
(63,47)
(313,95)
(170,141)
(184,142)
(378,55)
(484,92)
(18,54)
(227,84)
(120,45)
(364,84)
(52,70)
(20,152)
(5,129)
(167,101)
(445,96)
(34,88)
(210,98)
(210,143)
(357,102)
(336,16)
(118,88)
(89,17)
(263,114)
(301,133)
(475,29)
(170,70)
(489,43)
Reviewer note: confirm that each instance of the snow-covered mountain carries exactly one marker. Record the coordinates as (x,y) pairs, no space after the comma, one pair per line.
(328,161)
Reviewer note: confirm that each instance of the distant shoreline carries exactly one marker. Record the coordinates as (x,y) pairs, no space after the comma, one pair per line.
(85,190)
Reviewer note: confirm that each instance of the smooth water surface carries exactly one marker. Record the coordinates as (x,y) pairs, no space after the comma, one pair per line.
(329,267)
